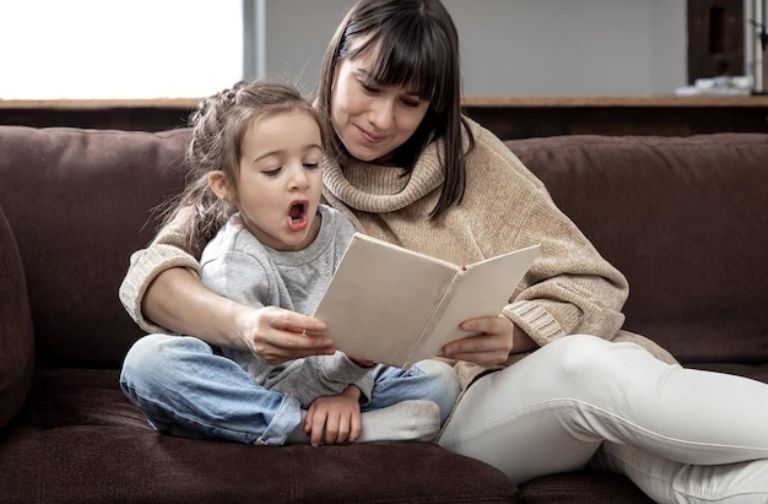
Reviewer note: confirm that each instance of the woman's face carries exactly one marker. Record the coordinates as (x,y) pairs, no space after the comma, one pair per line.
(372,120)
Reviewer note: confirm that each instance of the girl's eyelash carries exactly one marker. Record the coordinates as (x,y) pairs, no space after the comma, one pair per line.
(311,165)
(272,173)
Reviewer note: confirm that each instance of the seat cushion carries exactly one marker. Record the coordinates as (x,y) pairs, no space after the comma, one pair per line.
(757,372)
(80,439)
(583,488)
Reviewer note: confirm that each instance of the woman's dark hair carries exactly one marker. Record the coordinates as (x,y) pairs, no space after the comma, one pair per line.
(419,49)
(218,125)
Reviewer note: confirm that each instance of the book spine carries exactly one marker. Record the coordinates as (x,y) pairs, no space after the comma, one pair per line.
(437,313)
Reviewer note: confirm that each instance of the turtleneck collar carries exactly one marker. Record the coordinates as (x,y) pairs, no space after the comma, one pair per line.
(369,187)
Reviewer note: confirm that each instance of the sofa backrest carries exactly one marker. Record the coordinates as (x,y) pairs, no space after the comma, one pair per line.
(685,219)
(79,202)
(17,337)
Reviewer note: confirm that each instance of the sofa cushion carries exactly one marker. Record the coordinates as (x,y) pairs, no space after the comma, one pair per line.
(17,338)
(685,220)
(757,372)
(79,202)
(583,487)
(79,428)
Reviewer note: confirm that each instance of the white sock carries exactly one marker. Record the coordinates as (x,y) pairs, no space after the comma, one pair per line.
(414,420)
(404,421)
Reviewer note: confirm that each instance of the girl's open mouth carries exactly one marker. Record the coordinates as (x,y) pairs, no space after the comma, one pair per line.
(297,215)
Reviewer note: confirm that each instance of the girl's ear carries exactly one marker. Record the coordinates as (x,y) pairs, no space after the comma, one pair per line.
(217,181)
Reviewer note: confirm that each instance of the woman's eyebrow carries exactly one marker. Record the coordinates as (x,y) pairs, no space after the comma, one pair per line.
(367,76)
(361,72)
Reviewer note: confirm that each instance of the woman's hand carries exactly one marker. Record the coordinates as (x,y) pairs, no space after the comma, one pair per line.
(278,335)
(498,337)
(334,419)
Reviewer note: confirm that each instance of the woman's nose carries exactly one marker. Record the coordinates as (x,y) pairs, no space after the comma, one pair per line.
(382,113)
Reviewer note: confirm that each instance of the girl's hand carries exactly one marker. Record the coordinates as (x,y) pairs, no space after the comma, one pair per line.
(278,335)
(334,419)
(497,339)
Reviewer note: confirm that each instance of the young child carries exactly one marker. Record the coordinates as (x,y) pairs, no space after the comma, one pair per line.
(256,154)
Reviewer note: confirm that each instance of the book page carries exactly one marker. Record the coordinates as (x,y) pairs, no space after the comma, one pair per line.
(483,290)
(381,298)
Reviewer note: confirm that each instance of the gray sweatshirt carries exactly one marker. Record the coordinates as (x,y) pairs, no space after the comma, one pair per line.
(236,265)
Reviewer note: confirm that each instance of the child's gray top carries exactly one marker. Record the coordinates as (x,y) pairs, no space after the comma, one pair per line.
(236,265)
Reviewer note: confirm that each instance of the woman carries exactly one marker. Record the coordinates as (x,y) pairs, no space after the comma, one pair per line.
(409,169)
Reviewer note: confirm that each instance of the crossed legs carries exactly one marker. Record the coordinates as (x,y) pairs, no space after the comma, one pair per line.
(552,411)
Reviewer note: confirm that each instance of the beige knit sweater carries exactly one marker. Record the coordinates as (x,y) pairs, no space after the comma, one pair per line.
(570,289)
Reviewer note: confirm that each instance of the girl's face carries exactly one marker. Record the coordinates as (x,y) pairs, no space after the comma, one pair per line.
(372,120)
(280,181)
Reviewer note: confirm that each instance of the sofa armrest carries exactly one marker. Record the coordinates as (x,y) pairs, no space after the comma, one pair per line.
(17,341)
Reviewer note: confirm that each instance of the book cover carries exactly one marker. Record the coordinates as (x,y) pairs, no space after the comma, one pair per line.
(395,306)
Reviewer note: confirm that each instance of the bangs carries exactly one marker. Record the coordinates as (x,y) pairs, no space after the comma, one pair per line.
(410,56)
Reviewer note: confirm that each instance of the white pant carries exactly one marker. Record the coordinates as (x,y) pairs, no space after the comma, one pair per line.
(681,435)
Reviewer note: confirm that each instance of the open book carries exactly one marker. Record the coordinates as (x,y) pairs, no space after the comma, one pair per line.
(394,306)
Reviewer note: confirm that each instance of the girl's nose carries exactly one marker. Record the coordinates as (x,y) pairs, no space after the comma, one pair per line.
(298,178)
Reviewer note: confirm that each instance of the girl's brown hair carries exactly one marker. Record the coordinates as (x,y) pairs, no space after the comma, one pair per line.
(218,125)
(418,48)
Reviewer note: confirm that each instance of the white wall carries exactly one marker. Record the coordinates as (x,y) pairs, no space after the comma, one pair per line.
(517,47)
(298,32)
(92,49)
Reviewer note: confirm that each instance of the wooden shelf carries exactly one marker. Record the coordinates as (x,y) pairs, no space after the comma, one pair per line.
(508,117)
(615,101)
(152,103)
(523,117)
(469,101)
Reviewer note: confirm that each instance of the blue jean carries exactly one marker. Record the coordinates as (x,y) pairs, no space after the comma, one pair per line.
(181,384)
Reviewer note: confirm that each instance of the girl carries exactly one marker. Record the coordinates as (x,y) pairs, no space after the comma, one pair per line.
(411,170)
(255,154)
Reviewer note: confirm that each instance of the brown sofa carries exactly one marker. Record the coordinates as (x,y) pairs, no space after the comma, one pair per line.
(685,219)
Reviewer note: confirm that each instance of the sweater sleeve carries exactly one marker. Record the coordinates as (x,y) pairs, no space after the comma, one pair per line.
(169,249)
(570,289)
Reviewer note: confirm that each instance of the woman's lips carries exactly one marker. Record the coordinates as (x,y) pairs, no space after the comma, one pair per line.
(370,137)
